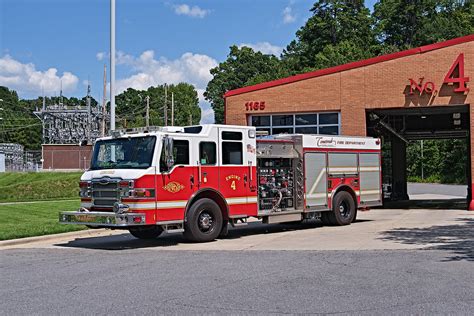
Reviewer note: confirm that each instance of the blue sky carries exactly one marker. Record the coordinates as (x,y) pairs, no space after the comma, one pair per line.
(45,42)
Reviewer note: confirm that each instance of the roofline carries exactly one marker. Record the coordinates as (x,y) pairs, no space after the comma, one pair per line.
(352,65)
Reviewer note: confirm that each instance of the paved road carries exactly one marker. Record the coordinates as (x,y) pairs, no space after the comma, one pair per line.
(140,281)
(407,262)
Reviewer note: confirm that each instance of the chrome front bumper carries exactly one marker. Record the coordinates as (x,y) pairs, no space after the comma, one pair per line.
(102,219)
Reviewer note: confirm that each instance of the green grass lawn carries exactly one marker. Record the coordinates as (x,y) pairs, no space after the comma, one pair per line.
(33,186)
(35,219)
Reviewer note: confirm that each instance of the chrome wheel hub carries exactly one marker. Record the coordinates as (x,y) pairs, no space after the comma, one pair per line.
(205,221)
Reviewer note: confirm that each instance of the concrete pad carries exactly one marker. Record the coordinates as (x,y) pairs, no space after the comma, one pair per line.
(429,196)
(375,230)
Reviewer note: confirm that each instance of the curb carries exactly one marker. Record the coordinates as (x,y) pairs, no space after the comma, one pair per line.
(27,240)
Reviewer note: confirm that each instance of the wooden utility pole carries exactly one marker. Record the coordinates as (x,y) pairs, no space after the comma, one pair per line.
(166,106)
(104,102)
(147,118)
(172,108)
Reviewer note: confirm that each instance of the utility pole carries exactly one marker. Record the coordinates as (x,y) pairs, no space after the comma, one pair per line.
(88,102)
(147,117)
(112,65)
(61,95)
(104,102)
(422,171)
(172,108)
(166,106)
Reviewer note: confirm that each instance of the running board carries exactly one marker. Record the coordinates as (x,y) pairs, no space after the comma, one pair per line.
(237,222)
(273,219)
(172,226)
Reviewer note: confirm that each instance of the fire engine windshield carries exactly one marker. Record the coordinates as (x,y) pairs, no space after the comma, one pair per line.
(123,153)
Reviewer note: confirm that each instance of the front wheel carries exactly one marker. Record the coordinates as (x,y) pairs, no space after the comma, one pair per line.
(343,209)
(147,232)
(203,221)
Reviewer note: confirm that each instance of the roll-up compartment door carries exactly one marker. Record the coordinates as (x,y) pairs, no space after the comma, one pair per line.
(342,164)
(315,179)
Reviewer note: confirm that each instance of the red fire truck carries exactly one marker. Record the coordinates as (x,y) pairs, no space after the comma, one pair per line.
(200,179)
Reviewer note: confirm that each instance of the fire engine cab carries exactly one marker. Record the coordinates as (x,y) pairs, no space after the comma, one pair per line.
(199,179)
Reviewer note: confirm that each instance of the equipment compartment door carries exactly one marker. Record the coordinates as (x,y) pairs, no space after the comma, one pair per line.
(370,187)
(316,179)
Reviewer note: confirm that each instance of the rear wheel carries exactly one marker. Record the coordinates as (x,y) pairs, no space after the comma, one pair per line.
(147,232)
(343,209)
(203,221)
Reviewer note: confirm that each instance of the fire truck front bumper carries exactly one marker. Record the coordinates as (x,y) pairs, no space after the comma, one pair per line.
(102,219)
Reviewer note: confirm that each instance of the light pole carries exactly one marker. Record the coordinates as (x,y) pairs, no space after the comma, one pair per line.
(112,65)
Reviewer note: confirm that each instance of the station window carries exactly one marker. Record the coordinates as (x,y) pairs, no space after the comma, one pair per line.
(328,123)
(207,153)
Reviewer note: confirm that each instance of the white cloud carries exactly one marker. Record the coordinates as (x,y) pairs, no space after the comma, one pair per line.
(101,55)
(288,15)
(150,71)
(194,11)
(26,80)
(264,47)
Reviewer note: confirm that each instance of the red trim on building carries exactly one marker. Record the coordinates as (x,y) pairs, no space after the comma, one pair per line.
(353,65)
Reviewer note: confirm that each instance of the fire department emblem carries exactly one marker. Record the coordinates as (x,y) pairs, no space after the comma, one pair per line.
(173,187)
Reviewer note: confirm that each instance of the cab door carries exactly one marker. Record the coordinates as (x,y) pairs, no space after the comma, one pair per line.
(175,185)
(235,172)
(208,167)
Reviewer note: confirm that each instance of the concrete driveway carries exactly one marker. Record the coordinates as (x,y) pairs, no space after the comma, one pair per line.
(374,230)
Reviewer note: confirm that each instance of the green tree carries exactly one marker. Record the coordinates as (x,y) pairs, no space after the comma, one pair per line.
(18,123)
(243,67)
(337,28)
(131,106)
(404,24)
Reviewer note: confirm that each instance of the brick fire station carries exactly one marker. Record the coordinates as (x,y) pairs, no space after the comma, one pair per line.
(421,93)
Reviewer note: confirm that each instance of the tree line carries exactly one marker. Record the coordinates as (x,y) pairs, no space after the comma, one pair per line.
(18,124)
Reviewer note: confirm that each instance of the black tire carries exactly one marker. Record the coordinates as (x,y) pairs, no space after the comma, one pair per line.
(343,209)
(203,221)
(225,229)
(146,232)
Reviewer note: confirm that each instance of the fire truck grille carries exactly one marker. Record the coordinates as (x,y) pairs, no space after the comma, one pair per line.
(104,194)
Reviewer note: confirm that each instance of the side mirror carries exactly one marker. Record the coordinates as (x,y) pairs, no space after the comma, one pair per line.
(168,148)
